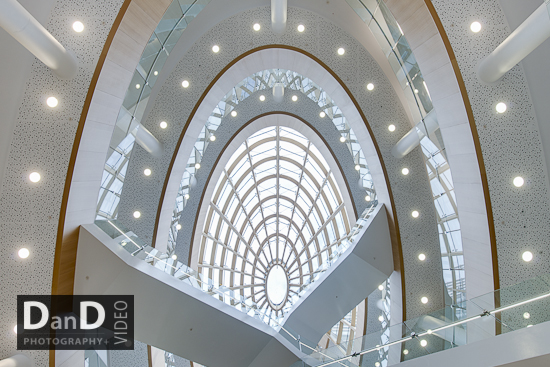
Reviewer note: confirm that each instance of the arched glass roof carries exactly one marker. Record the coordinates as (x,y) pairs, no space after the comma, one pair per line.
(275,204)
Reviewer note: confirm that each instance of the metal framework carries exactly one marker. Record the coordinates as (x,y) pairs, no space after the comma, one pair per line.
(276,203)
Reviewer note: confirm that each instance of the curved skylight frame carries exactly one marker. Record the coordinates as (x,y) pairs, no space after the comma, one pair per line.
(276,202)
(265,80)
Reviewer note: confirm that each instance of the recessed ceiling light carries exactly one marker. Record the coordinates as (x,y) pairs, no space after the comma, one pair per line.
(137,214)
(234,113)
(185,84)
(416,91)
(212,137)
(501,107)
(380,318)
(147,172)
(294,98)
(34,177)
(357,167)
(215,49)
(377,364)
(526,315)
(262,98)
(423,343)
(186,196)
(341,51)
(342,139)
(368,198)
(391,128)
(78,26)
(415,213)
(138,86)
(405,351)
(475,27)
(519,181)
(527,256)
(301,28)
(370,86)
(51,102)
(322,114)
(380,287)
(405,171)
(421,257)
(174,257)
(197,165)
(163,124)
(424,300)
(257,27)
(23,253)
(155,73)
(178,226)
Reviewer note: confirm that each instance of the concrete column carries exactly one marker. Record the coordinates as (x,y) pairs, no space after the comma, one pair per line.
(18,360)
(22,26)
(278,15)
(528,36)
(147,140)
(412,139)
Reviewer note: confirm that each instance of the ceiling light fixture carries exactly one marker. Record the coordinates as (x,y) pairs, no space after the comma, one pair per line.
(423,343)
(15,329)
(421,257)
(380,287)
(234,113)
(322,114)
(52,102)
(342,139)
(186,196)
(34,177)
(212,137)
(380,318)
(368,198)
(475,27)
(23,253)
(405,171)
(138,86)
(163,124)
(155,73)
(519,181)
(357,167)
(527,256)
(415,213)
(147,172)
(197,165)
(301,28)
(526,315)
(501,107)
(257,27)
(294,98)
(424,300)
(262,98)
(174,257)
(341,51)
(370,86)
(178,226)
(215,49)
(185,84)
(137,214)
(78,26)
(391,128)
(405,351)
(377,364)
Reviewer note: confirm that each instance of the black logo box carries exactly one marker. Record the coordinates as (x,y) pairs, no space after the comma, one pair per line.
(63,331)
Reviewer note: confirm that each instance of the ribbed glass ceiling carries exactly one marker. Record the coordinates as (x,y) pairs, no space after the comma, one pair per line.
(274,218)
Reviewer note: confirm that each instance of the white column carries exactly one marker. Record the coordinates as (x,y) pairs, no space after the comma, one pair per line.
(278,15)
(147,140)
(528,36)
(18,360)
(412,139)
(22,26)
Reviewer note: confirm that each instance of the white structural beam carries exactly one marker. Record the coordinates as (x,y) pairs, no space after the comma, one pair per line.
(523,40)
(278,15)
(18,360)
(412,139)
(147,140)
(22,26)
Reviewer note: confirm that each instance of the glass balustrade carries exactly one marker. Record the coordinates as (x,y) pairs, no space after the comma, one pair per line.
(519,306)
